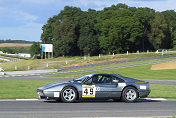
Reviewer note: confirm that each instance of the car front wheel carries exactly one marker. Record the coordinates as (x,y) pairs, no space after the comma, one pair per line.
(129,94)
(68,94)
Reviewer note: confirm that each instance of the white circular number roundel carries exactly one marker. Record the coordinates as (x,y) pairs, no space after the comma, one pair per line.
(88,91)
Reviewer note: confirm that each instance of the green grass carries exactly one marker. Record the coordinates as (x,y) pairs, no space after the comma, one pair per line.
(13,89)
(168,117)
(21,65)
(139,72)
(118,64)
(162,91)
(36,63)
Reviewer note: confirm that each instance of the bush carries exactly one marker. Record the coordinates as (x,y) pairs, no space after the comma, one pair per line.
(14,50)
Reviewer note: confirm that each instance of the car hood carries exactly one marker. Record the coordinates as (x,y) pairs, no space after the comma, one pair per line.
(52,85)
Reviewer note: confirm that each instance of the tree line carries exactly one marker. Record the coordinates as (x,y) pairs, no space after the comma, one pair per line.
(15,41)
(114,29)
(15,50)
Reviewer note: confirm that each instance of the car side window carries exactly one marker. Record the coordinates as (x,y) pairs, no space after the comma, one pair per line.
(96,79)
(88,81)
(105,79)
(116,79)
(102,79)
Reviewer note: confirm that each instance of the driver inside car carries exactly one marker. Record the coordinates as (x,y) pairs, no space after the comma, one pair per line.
(95,80)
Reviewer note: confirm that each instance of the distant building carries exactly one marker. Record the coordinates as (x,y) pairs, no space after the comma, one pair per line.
(24,55)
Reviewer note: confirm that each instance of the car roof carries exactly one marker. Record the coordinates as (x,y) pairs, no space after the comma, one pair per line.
(103,74)
(126,79)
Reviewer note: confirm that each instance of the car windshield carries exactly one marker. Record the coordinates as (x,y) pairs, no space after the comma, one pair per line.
(81,78)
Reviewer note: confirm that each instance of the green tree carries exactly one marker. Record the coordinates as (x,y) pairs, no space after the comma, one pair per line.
(170,18)
(145,16)
(174,39)
(48,30)
(65,31)
(88,40)
(120,31)
(65,38)
(35,49)
(158,28)
(114,29)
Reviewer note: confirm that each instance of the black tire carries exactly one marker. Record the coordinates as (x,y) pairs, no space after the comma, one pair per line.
(69,94)
(129,94)
(58,100)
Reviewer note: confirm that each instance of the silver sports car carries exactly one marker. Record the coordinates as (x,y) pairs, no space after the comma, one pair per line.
(96,86)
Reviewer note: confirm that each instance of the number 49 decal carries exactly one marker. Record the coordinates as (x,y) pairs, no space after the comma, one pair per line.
(88,91)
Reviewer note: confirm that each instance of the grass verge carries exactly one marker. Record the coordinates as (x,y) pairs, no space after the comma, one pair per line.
(59,62)
(162,91)
(16,89)
(118,64)
(12,89)
(139,72)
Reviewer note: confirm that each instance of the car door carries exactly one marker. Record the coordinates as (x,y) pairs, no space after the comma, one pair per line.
(101,86)
(107,87)
(97,86)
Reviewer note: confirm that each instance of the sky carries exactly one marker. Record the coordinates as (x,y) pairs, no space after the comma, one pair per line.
(23,19)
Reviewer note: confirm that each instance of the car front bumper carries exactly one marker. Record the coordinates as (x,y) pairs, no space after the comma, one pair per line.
(144,93)
(48,94)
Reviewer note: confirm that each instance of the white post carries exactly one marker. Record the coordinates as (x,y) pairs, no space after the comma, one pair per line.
(16,68)
(113,54)
(99,55)
(66,62)
(138,52)
(127,52)
(47,65)
(29,68)
(84,57)
(156,51)
(162,52)
(1,69)
(166,51)
(147,51)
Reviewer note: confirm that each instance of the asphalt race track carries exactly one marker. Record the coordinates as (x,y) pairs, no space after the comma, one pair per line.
(51,109)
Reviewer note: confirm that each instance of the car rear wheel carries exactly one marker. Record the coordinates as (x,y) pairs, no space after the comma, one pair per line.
(129,94)
(68,94)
